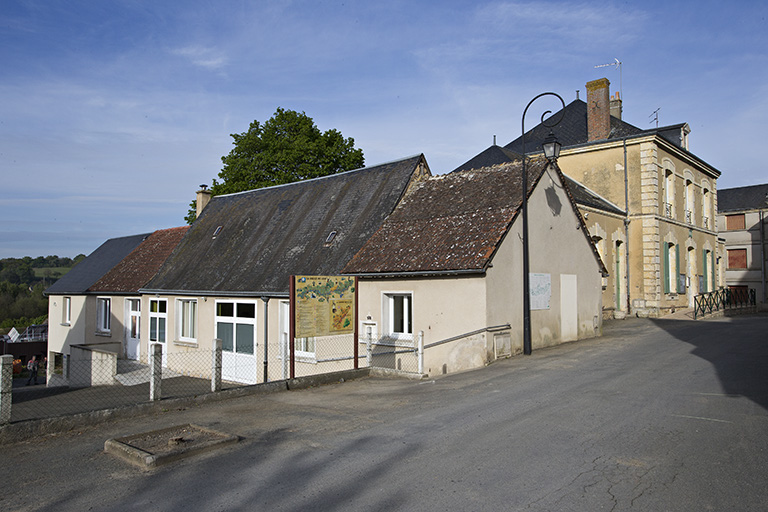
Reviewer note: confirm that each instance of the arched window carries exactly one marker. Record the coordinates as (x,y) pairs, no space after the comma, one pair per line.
(689,201)
(706,209)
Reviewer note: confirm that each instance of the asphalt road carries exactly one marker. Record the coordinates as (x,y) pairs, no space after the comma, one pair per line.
(657,415)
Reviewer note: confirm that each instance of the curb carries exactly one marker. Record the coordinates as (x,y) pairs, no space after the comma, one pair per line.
(23,430)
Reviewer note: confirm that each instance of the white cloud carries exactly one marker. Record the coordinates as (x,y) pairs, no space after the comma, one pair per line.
(202,56)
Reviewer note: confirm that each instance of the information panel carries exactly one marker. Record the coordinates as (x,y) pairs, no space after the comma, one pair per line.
(325,305)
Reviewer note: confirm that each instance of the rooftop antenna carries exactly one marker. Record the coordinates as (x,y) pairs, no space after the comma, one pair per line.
(616,63)
(655,116)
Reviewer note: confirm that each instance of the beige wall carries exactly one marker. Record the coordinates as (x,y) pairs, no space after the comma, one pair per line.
(687,222)
(61,335)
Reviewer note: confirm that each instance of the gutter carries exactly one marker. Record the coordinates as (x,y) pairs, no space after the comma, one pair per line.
(216,293)
(417,273)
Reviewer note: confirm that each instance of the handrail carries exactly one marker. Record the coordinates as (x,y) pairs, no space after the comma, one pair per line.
(471,333)
(726,298)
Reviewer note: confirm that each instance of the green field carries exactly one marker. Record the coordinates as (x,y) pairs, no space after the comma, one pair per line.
(50,272)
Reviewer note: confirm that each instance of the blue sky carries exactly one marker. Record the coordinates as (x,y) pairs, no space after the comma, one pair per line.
(112,113)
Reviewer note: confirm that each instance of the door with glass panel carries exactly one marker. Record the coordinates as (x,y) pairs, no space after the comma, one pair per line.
(132,328)
(158,321)
(236,328)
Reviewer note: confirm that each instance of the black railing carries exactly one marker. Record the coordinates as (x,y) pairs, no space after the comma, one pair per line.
(728,298)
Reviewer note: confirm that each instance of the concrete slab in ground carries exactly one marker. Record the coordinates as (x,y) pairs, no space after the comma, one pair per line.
(150,449)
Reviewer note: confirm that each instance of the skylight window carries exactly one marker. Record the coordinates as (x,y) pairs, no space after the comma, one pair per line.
(330,238)
(216,233)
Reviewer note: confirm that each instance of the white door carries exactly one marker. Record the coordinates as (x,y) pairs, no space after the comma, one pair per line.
(132,328)
(158,320)
(236,328)
(569,307)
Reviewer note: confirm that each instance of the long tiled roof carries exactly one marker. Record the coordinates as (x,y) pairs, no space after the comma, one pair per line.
(136,269)
(753,197)
(99,262)
(451,222)
(251,242)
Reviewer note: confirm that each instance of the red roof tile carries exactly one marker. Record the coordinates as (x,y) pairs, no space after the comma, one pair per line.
(136,269)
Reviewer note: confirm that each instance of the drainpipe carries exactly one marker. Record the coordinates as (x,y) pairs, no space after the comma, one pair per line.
(626,221)
(266,338)
(762,250)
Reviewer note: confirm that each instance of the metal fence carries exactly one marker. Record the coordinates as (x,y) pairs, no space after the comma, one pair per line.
(93,378)
(73,385)
(725,299)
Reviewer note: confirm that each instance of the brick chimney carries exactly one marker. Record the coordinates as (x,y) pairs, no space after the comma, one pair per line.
(598,110)
(616,106)
(203,197)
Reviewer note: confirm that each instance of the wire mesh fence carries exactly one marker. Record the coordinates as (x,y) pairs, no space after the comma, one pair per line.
(90,379)
(102,381)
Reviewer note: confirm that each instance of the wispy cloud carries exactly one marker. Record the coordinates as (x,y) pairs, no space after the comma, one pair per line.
(202,56)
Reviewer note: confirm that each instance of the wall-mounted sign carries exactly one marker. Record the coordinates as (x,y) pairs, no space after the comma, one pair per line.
(541,290)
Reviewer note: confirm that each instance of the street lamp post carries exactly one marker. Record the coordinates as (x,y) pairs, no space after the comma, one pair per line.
(551,149)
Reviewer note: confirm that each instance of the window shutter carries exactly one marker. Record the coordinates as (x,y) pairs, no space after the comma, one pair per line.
(704,272)
(677,263)
(665,256)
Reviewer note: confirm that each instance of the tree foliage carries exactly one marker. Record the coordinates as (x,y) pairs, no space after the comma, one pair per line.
(21,292)
(288,147)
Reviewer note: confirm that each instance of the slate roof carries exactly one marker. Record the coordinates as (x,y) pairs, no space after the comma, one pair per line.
(249,243)
(99,262)
(753,197)
(572,130)
(136,269)
(586,197)
(494,155)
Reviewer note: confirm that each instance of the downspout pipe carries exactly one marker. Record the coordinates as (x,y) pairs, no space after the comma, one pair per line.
(266,338)
(626,223)
(762,251)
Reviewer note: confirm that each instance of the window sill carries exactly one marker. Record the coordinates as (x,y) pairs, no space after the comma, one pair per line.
(186,343)
(311,359)
(65,324)
(104,334)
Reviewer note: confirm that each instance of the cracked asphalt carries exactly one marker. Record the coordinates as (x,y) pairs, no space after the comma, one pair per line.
(657,415)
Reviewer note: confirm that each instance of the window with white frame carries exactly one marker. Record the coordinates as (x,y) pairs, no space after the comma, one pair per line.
(398,314)
(158,320)
(66,313)
(236,326)
(187,320)
(103,314)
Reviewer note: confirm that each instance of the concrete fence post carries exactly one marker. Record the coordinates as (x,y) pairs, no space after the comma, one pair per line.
(216,366)
(420,354)
(6,388)
(369,349)
(155,371)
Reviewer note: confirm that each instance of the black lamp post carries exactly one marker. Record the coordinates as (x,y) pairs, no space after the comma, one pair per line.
(551,151)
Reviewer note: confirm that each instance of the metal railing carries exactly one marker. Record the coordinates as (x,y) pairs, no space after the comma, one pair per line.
(707,303)
(668,210)
(689,216)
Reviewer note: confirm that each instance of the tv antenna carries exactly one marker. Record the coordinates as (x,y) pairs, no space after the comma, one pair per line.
(617,63)
(655,116)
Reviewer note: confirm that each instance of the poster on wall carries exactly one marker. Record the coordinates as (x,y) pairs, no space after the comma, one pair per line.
(325,305)
(541,290)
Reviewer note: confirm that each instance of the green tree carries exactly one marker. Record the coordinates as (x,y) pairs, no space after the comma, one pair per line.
(286,148)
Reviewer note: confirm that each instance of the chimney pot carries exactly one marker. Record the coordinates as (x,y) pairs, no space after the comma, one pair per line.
(598,110)
(203,197)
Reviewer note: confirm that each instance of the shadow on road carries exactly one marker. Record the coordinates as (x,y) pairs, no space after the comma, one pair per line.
(737,347)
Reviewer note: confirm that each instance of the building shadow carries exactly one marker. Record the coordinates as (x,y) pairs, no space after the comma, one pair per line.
(737,347)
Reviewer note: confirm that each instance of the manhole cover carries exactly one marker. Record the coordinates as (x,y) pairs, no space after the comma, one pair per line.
(151,449)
